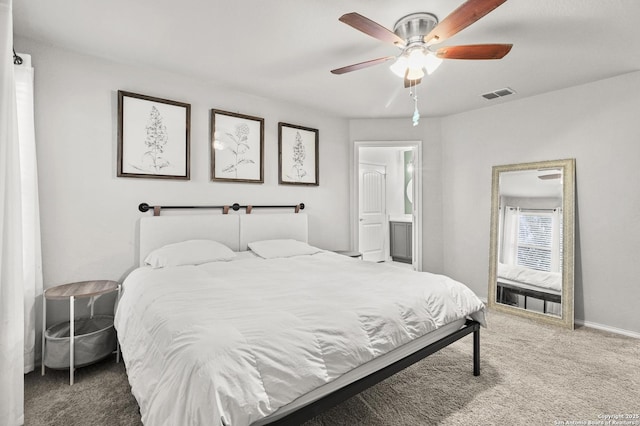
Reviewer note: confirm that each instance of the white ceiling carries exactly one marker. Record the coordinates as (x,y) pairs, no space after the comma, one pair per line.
(284,49)
(526,184)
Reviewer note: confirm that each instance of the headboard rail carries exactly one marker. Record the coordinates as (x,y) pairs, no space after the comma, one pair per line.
(144,207)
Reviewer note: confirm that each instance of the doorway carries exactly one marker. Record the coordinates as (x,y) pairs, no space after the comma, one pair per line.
(386,188)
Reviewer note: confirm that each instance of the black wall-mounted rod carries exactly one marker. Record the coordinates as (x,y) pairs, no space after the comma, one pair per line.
(144,207)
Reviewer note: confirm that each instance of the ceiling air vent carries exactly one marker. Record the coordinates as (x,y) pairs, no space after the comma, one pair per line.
(498,93)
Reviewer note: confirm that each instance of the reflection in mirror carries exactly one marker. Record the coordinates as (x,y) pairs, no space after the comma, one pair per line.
(531,269)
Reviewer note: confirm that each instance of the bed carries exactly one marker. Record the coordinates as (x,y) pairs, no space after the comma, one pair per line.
(277,332)
(527,282)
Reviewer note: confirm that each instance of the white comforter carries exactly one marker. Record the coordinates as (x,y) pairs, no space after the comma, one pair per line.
(233,341)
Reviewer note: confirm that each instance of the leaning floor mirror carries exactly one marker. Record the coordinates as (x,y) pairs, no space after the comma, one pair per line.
(532,240)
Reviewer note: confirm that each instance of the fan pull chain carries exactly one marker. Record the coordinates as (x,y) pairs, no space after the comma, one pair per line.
(414,94)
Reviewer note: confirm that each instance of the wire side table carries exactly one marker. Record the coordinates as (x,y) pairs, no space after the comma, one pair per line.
(72,291)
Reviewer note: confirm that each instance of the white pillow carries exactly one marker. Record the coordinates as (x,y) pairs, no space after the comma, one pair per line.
(190,252)
(270,249)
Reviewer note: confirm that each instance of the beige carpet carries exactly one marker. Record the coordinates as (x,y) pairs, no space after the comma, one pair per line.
(532,374)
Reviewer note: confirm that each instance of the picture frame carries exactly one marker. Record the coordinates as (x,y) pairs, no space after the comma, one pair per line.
(237,147)
(298,155)
(153,137)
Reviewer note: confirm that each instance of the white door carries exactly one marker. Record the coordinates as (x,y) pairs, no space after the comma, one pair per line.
(372,209)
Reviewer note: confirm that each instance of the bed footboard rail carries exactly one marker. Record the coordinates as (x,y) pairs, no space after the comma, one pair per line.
(328,401)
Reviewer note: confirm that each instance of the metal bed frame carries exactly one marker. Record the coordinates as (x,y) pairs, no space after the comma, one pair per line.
(504,287)
(328,401)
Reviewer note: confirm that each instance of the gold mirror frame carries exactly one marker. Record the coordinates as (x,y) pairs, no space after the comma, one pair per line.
(568,206)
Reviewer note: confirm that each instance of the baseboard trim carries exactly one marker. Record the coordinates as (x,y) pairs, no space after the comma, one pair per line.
(608,328)
(595,325)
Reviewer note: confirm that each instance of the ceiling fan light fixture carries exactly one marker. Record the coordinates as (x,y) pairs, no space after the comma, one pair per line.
(432,62)
(413,62)
(417,58)
(415,73)
(399,67)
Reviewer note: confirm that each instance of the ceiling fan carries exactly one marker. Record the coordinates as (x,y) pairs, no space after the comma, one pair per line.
(416,33)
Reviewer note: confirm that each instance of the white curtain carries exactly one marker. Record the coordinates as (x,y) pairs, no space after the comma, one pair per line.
(556,234)
(20,249)
(31,248)
(11,265)
(510,235)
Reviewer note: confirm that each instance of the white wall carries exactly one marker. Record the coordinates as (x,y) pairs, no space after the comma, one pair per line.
(89,216)
(428,131)
(597,124)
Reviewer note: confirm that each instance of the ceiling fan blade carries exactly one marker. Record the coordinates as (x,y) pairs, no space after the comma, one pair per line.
(371,28)
(474,51)
(361,65)
(465,15)
(408,83)
(550,176)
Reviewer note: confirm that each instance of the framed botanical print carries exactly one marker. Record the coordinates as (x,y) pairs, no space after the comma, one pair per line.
(153,137)
(237,147)
(297,155)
